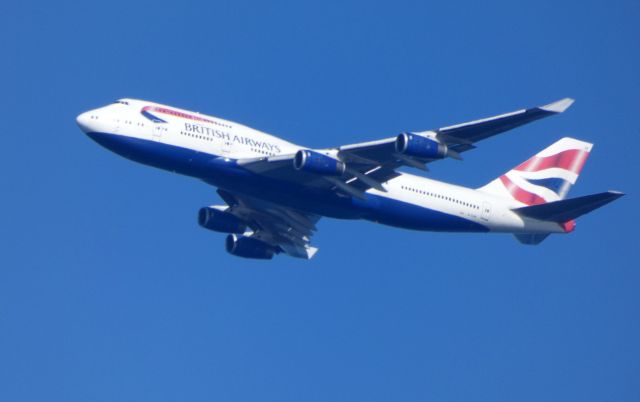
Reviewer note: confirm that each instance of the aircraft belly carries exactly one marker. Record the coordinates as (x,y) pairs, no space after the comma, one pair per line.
(224,173)
(152,153)
(393,212)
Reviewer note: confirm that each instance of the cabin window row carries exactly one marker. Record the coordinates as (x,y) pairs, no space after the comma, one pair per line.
(129,122)
(202,137)
(220,124)
(442,197)
(261,151)
(207,138)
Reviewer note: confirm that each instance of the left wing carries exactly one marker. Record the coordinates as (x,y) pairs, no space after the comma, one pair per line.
(284,229)
(357,177)
(457,138)
(353,169)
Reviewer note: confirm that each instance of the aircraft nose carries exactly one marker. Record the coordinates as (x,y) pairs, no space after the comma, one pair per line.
(83,121)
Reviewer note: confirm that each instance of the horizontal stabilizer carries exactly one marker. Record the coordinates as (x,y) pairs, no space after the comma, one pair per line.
(532,239)
(569,209)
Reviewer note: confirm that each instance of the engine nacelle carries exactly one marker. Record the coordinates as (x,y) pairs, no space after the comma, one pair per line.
(420,147)
(248,247)
(315,162)
(220,221)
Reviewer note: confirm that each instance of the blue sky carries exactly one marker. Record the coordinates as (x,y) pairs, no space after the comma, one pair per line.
(109,291)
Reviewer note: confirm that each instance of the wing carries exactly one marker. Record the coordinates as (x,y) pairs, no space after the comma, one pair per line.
(458,138)
(371,164)
(285,229)
(358,177)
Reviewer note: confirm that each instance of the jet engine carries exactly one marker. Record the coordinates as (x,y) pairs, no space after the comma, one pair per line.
(420,147)
(315,162)
(220,221)
(248,247)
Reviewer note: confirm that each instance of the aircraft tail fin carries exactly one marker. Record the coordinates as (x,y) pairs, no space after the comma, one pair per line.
(545,177)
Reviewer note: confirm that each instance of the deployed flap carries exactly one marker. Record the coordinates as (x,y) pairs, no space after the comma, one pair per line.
(266,164)
(566,210)
(359,174)
(284,228)
(372,152)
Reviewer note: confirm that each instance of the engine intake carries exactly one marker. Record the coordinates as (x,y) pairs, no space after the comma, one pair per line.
(248,247)
(220,221)
(420,147)
(315,162)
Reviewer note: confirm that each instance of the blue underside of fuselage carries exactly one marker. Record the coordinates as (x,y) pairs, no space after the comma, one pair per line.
(225,173)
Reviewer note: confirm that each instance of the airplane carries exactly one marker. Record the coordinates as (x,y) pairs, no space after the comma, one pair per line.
(276,191)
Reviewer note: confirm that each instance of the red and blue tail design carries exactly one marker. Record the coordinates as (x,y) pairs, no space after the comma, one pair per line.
(546,177)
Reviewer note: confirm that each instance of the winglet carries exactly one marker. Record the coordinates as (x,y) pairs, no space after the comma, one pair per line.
(558,106)
(311,251)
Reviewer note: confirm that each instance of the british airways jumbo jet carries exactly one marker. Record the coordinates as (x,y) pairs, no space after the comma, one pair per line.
(276,191)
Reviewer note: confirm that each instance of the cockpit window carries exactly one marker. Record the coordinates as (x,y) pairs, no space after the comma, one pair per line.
(121,102)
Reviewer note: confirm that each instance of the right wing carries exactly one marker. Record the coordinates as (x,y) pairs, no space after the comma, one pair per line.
(284,229)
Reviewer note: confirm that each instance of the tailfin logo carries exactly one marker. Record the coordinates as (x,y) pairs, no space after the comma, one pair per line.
(547,178)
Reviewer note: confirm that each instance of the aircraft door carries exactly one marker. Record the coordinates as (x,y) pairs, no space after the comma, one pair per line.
(157,130)
(116,125)
(486,211)
(226,146)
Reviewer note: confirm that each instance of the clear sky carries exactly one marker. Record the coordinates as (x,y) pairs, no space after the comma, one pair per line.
(110,291)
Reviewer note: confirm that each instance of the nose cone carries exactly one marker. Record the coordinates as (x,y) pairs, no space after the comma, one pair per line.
(84,121)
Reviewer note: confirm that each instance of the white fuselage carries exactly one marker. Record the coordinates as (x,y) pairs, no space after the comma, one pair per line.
(232,141)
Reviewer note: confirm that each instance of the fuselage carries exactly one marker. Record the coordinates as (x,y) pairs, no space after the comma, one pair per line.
(208,148)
